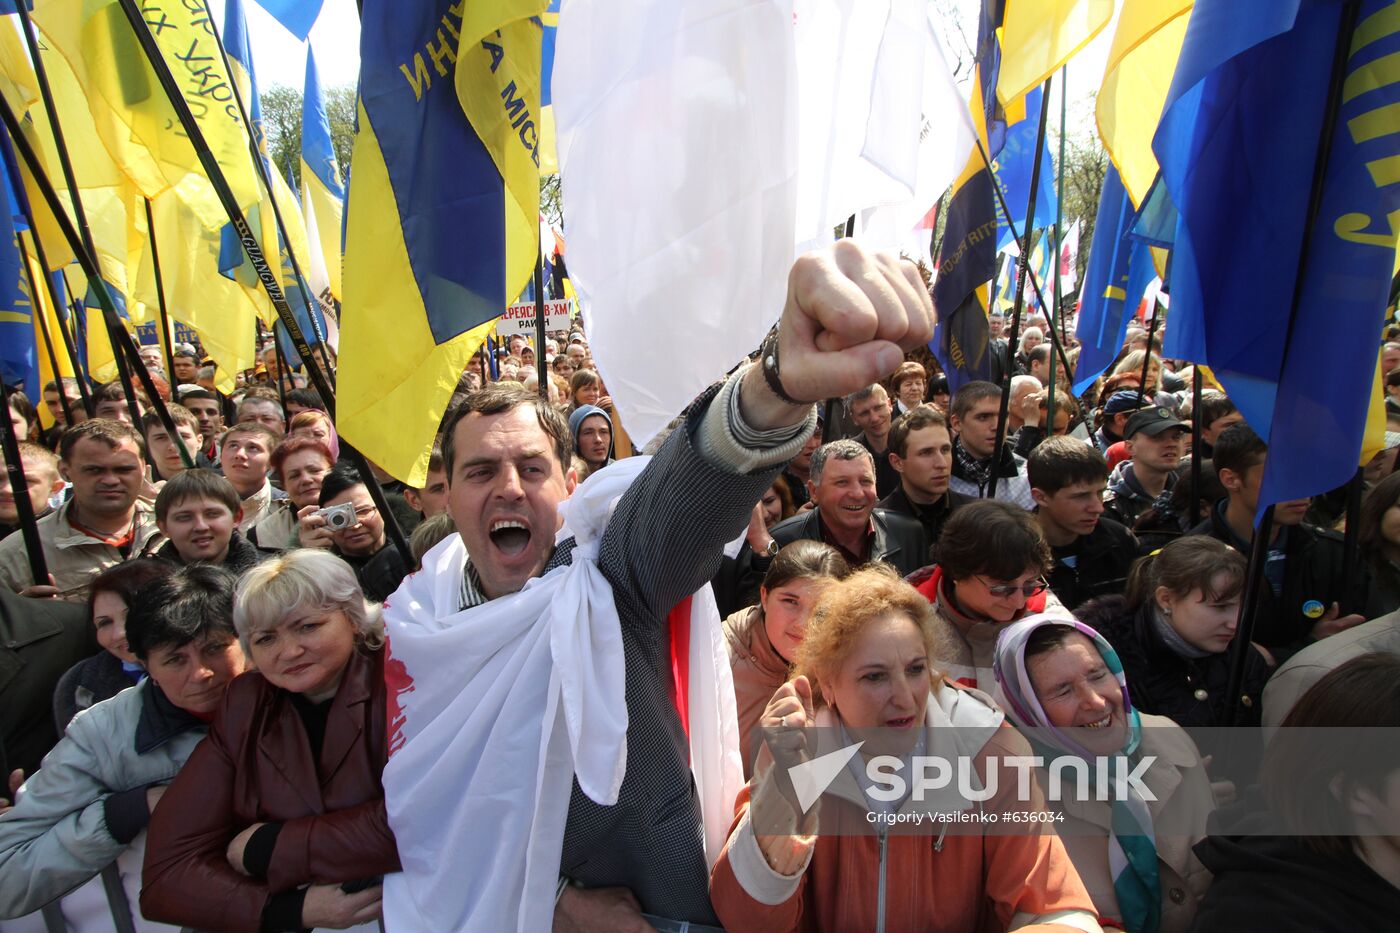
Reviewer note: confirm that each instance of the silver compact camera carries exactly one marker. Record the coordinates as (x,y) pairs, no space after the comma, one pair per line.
(338,517)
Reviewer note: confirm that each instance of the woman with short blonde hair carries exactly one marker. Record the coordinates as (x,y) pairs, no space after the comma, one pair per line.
(277,822)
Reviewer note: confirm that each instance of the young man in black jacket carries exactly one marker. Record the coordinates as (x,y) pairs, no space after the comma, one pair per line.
(1092,554)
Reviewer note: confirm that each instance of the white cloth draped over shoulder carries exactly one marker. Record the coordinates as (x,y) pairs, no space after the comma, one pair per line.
(494,710)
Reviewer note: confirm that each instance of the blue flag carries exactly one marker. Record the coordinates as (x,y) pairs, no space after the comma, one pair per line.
(17,352)
(1278,302)
(1120,267)
(1013,169)
(967,257)
(297,15)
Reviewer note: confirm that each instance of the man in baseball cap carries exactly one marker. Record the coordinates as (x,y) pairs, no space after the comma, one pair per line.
(1155,441)
(1116,411)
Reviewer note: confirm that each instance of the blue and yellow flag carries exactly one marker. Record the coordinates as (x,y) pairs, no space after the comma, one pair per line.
(1236,147)
(1146,45)
(1118,272)
(323,194)
(17,351)
(498,83)
(425,239)
(1013,170)
(262,219)
(967,257)
(1038,36)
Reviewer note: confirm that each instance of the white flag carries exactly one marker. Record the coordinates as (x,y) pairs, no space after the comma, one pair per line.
(704,144)
(677,145)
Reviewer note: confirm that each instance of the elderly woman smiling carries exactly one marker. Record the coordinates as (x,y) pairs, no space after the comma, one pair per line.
(283,804)
(867,650)
(1062,684)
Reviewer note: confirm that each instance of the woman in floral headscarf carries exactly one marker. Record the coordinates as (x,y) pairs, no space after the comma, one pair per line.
(1062,684)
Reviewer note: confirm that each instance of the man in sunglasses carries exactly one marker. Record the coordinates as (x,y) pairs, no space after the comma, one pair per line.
(992,560)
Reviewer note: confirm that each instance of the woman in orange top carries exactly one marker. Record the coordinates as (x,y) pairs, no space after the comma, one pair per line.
(865,671)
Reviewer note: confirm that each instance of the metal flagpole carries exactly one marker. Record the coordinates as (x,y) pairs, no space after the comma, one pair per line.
(19,488)
(166,335)
(1024,262)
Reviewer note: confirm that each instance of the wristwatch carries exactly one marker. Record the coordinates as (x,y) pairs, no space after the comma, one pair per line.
(773,548)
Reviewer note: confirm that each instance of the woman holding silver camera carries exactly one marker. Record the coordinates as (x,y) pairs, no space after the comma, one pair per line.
(299,464)
(348,524)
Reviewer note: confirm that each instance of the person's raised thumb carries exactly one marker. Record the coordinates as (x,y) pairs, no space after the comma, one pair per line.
(803,687)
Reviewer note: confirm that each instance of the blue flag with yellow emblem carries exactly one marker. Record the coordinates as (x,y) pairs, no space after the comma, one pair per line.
(1280,298)
(1119,269)
(17,351)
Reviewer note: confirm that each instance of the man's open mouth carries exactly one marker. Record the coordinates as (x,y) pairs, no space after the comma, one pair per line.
(511,537)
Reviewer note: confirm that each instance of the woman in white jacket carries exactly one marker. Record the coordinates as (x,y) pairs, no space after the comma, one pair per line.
(87,807)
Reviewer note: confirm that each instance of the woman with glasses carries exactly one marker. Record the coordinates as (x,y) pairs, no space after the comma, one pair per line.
(1173,628)
(992,560)
(360,541)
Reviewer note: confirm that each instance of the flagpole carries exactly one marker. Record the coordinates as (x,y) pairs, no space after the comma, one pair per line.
(1015,235)
(116,334)
(1197,383)
(261,167)
(1060,202)
(41,317)
(1059,248)
(281,369)
(166,336)
(539,324)
(1147,357)
(1259,547)
(19,487)
(829,413)
(1019,300)
(74,332)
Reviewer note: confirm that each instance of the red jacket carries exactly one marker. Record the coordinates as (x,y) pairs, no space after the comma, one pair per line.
(256,767)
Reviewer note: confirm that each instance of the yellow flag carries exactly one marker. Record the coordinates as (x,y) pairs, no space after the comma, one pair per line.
(44,316)
(220,310)
(19,86)
(133,118)
(395,378)
(1136,79)
(17,80)
(498,84)
(1038,36)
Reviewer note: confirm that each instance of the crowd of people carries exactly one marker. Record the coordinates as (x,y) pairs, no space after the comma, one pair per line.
(218,711)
